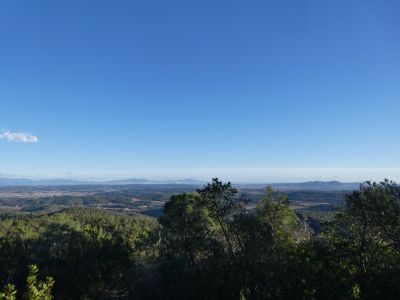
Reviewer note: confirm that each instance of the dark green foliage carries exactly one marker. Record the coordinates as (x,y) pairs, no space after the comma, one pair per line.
(207,245)
(356,256)
(268,239)
(366,234)
(89,252)
(220,251)
(36,289)
(191,255)
(9,293)
(271,253)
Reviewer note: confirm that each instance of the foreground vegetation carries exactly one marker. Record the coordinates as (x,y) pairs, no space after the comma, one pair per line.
(206,245)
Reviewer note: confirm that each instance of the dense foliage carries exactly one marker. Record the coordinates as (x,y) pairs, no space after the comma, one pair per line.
(89,253)
(209,245)
(36,290)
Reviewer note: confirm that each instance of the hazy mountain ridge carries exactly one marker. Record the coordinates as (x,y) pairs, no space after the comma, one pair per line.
(9,181)
(308,185)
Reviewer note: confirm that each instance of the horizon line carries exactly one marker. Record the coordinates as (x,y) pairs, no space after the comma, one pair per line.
(253,175)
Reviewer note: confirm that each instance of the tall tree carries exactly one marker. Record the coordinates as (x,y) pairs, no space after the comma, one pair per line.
(366,234)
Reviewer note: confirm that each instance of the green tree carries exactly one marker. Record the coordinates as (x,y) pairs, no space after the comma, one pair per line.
(90,253)
(225,206)
(9,293)
(38,290)
(186,227)
(269,237)
(222,202)
(190,252)
(365,235)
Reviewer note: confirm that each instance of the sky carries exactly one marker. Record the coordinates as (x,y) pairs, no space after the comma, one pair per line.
(250,90)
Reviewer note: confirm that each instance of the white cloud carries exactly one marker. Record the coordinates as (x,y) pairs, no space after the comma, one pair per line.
(18,137)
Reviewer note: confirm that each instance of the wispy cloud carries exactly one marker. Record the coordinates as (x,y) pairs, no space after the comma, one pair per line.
(20,137)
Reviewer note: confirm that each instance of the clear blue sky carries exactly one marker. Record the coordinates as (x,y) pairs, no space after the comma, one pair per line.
(188,88)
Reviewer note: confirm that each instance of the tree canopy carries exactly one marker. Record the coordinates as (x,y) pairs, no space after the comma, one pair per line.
(209,244)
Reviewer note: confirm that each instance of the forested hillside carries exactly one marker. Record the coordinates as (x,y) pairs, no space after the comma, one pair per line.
(208,245)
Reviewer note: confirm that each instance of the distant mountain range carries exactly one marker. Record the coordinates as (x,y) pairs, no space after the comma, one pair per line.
(148,181)
(8,181)
(309,185)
